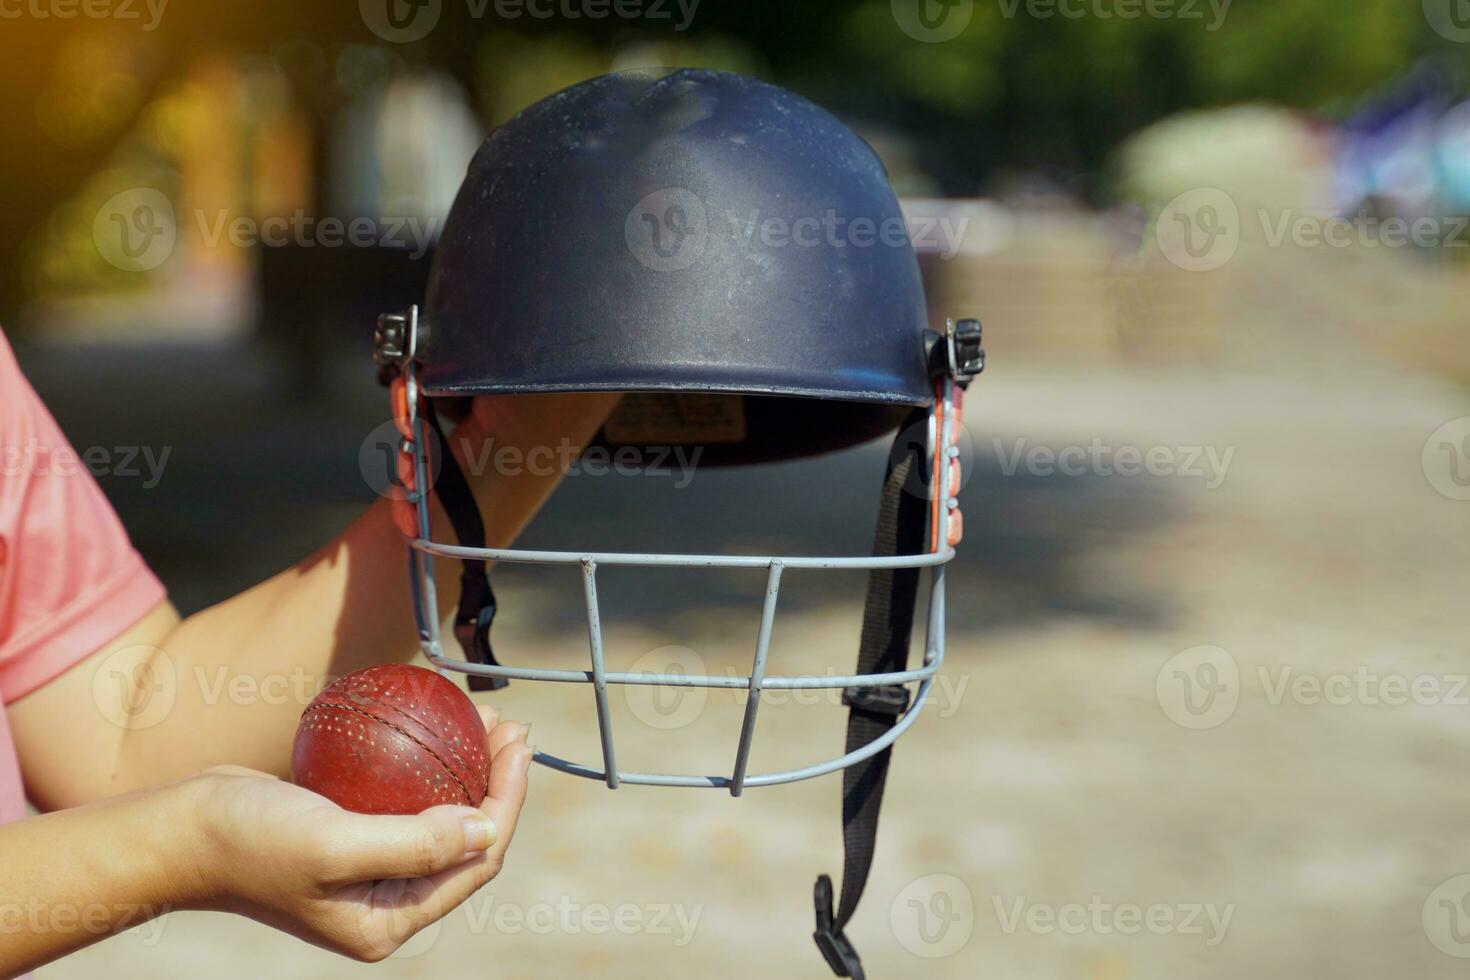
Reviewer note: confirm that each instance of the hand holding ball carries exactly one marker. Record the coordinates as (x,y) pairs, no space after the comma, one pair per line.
(392,739)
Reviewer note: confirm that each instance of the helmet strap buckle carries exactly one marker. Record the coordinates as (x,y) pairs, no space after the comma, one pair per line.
(831,940)
(396,341)
(965,355)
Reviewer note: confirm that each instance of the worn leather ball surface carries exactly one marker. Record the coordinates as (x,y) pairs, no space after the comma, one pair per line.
(391,739)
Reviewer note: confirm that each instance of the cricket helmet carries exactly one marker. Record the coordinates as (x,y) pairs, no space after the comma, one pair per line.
(733,257)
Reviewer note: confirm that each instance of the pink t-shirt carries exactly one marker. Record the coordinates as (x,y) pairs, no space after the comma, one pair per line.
(70,580)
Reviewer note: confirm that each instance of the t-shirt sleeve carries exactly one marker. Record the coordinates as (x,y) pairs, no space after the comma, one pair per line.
(70,580)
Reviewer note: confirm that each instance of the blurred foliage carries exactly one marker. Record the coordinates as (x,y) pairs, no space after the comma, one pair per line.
(1021,92)
(1017,94)
(1016,90)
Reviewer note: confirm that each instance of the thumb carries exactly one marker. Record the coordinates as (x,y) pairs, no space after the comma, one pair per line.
(374,847)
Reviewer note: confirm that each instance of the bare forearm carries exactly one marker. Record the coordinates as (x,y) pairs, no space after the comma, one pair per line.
(233,840)
(72,878)
(228,684)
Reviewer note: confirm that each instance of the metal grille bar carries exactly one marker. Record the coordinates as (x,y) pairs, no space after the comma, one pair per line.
(757,678)
(926,560)
(803,682)
(599,675)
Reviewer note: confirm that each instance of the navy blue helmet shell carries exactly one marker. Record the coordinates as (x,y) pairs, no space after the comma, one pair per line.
(689,233)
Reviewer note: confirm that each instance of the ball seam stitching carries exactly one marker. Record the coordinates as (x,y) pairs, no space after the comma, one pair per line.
(406,734)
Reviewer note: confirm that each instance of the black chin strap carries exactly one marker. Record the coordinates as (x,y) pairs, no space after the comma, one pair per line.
(476,598)
(888,618)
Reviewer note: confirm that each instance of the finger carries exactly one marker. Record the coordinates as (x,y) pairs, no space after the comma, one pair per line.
(366,847)
(956,526)
(440,893)
(408,907)
(958,417)
(503,734)
(954,478)
(506,794)
(489,716)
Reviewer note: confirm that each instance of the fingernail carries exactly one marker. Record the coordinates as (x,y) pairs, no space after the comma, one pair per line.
(525,733)
(479,834)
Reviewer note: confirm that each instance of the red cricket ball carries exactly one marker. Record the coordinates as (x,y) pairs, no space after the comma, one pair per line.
(391,739)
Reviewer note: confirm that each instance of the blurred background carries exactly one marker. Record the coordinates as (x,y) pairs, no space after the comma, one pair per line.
(1205,710)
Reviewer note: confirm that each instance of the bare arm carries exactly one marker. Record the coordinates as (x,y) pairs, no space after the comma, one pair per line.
(241,841)
(227,685)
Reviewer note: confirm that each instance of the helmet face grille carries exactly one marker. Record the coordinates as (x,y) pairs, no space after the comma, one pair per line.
(860,686)
(694,232)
